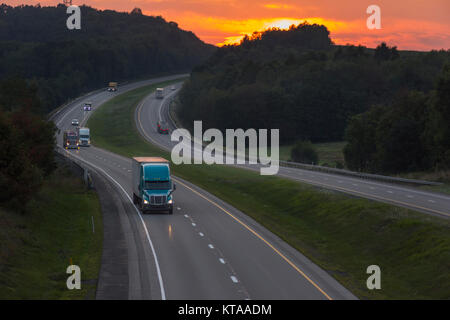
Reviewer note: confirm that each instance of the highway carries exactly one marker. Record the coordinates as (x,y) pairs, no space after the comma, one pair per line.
(207,249)
(151,110)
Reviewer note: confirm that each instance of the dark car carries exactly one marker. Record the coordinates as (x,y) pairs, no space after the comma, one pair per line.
(163,128)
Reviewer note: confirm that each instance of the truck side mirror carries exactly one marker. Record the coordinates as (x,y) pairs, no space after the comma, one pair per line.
(174,186)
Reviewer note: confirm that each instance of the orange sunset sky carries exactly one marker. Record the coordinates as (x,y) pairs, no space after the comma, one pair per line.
(408,24)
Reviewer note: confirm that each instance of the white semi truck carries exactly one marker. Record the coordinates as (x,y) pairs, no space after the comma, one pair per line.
(159,93)
(84,137)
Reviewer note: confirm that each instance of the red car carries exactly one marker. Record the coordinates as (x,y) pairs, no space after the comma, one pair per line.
(163,128)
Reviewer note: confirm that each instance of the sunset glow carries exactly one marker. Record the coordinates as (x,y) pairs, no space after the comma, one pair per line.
(412,24)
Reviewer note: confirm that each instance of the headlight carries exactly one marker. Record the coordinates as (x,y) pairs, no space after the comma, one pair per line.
(170,201)
(145,201)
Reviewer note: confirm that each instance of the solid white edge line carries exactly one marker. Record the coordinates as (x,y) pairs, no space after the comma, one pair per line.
(161,284)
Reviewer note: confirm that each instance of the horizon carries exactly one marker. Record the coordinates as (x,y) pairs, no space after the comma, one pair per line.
(417,27)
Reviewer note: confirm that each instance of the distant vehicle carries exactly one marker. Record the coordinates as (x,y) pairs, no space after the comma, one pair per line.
(163,128)
(87,106)
(152,184)
(112,87)
(84,137)
(159,93)
(70,140)
(75,122)
(173,88)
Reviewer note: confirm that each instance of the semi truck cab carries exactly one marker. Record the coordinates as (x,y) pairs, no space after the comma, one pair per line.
(84,137)
(70,140)
(152,184)
(159,93)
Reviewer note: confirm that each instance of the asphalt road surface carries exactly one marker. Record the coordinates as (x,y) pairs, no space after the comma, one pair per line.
(151,110)
(206,249)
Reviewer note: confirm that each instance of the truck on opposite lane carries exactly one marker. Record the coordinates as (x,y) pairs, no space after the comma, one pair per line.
(159,93)
(152,184)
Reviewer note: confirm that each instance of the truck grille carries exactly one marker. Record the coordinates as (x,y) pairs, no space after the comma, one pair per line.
(158,200)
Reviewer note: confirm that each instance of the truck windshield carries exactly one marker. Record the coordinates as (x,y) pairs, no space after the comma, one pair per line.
(157,185)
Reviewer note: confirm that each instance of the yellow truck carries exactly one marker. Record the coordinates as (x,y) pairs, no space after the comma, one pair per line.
(112,86)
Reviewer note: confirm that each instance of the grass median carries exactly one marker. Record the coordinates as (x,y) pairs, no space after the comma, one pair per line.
(340,233)
(37,247)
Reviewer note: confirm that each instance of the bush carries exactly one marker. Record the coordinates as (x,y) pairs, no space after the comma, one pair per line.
(304,152)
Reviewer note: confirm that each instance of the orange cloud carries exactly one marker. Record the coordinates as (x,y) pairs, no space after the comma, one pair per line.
(277,6)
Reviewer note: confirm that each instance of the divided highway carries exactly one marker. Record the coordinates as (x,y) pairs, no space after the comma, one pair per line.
(206,249)
(151,110)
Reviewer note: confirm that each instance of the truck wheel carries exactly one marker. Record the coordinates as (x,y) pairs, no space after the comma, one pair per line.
(171,211)
(134,199)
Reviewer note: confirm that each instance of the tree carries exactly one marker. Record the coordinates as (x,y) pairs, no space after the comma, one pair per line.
(383,52)
(304,152)
(136,11)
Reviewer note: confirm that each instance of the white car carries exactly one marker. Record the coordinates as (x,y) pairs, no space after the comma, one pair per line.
(75,122)
(173,88)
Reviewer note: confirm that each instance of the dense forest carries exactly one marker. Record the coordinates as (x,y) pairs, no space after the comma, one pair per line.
(27,144)
(410,134)
(297,80)
(36,45)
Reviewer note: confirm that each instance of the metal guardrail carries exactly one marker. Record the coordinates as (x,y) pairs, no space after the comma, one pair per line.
(76,167)
(360,175)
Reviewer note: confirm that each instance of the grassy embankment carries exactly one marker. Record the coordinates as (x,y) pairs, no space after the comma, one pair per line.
(329,153)
(342,234)
(37,247)
(332,152)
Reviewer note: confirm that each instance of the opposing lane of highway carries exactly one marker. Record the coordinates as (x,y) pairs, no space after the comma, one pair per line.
(428,202)
(206,249)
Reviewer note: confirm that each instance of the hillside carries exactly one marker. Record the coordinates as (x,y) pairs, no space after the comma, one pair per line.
(300,82)
(35,44)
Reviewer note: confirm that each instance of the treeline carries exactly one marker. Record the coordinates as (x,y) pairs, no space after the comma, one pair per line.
(300,82)
(410,134)
(26,144)
(36,45)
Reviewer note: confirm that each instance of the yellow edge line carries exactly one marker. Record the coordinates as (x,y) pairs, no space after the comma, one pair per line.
(259,236)
(239,221)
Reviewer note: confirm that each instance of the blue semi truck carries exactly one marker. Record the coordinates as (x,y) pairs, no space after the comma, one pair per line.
(152,184)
